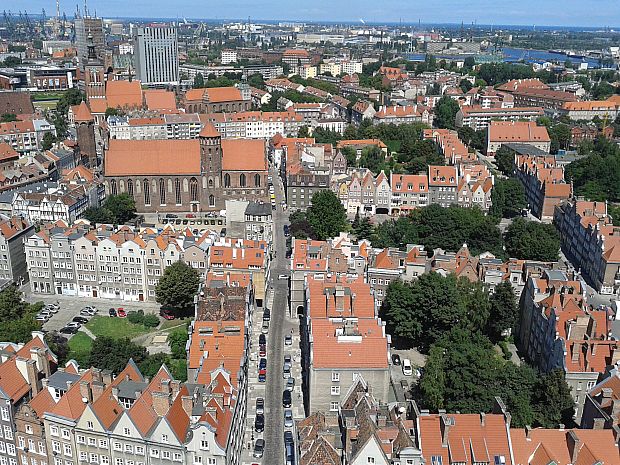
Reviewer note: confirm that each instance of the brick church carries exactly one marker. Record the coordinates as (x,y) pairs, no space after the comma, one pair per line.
(196,175)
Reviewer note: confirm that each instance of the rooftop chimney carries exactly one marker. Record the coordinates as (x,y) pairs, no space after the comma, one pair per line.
(161,403)
(188,404)
(33,376)
(574,444)
(85,391)
(446,423)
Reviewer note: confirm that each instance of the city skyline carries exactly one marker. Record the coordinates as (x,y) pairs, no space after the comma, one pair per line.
(574,13)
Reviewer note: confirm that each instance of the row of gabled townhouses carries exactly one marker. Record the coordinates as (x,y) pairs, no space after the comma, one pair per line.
(54,415)
(127,263)
(360,191)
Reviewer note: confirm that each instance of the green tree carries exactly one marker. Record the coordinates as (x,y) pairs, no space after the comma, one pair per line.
(326,216)
(177,340)
(12,306)
(507,198)
(554,404)
(113,354)
(8,117)
(504,159)
(122,207)
(199,81)
(504,311)
(177,286)
(48,141)
(111,111)
(351,156)
(445,113)
(530,240)
(372,158)
(300,227)
(151,365)
(19,330)
(304,131)
(59,345)
(99,215)
(364,229)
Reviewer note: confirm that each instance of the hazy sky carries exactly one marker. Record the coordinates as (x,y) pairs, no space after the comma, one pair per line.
(527,12)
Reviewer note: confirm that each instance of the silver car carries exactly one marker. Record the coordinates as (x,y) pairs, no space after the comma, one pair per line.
(288,418)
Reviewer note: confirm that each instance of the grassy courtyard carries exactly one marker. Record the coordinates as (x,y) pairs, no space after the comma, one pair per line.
(80,346)
(117,328)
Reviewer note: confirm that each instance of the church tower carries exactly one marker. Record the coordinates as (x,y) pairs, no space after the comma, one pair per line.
(85,126)
(211,155)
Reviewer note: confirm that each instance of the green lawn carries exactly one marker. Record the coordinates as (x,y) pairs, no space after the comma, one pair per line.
(167,324)
(79,348)
(116,327)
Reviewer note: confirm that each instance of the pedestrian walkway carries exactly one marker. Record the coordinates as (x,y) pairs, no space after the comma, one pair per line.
(88,332)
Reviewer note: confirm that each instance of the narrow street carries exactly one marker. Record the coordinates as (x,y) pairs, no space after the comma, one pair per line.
(274,412)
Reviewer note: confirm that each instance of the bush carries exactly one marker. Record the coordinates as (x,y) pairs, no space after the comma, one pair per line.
(136,318)
(150,320)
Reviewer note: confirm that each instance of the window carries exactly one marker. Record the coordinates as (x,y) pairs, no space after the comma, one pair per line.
(165,454)
(129,448)
(436,460)
(80,439)
(164,438)
(193,190)
(54,430)
(140,450)
(4,411)
(67,449)
(257,180)
(242,180)
(113,187)
(227,180)
(147,192)
(591,384)
(162,191)
(103,443)
(371,460)
(154,452)
(118,446)
(335,377)
(177,191)
(118,461)
(177,457)
(335,390)
(126,432)
(104,460)
(211,200)
(94,458)
(130,188)
(333,406)
(92,442)
(83,456)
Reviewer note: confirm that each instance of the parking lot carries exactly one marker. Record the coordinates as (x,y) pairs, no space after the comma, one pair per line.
(70,307)
(396,371)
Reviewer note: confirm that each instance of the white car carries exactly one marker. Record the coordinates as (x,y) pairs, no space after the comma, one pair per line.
(283,276)
(407,368)
(73,324)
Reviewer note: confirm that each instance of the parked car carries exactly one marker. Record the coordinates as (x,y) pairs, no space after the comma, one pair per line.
(112,312)
(121,313)
(288,418)
(290,383)
(266,315)
(260,406)
(262,363)
(262,350)
(80,319)
(53,308)
(395,359)
(166,314)
(286,399)
(68,330)
(190,215)
(265,328)
(42,318)
(171,215)
(407,368)
(262,377)
(288,437)
(283,276)
(259,423)
(259,448)
(288,340)
(91,308)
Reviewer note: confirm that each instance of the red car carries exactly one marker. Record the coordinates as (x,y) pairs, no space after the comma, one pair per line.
(190,215)
(167,316)
(121,313)
(262,371)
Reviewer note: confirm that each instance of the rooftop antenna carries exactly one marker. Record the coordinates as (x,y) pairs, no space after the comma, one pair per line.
(85,9)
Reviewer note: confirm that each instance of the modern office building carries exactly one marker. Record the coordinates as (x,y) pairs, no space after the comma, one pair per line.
(86,27)
(156,54)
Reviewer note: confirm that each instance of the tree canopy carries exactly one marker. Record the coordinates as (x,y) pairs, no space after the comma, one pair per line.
(530,240)
(438,227)
(445,113)
(117,209)
(177,286)
(326,216)
(507,198)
